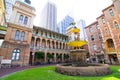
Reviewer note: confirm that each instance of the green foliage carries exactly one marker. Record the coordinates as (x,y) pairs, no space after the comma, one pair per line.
(66,56)
(48,73)
(50,56)
(40,55)
(59,56)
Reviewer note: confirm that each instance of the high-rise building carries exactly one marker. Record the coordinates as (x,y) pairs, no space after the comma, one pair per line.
(48,18)
(65,23)
(9,4)
(81,25)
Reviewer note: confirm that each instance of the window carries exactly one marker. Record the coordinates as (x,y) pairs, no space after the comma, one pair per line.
(17,35)
(92,37)
(16,54)
(103,20)
(116,25)
(90,29)
(100,36)
(102,45)
(94,47)
(106,31)
(111,12)
(22,36)
(26,20)
(98,26)
(20,19)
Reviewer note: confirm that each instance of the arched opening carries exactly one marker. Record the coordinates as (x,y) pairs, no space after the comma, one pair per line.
(110,50)
(39,58)
(32,42)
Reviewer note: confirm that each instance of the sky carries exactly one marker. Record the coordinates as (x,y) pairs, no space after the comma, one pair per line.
(87,10)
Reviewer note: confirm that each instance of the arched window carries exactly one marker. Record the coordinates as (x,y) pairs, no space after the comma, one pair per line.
(16,54)
(90,29)
(22,36)
(103,20)
(94,47)
(98,26)
(111,12)
(20,19)
(92,37)
(26,20)
(17,35)
(116,25)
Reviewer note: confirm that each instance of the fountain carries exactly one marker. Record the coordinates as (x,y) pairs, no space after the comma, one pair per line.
(78,65)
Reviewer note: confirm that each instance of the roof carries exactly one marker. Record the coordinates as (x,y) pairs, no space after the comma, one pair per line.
(91,24)
(25,3)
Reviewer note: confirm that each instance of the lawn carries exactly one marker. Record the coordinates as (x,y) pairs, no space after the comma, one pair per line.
(48,73)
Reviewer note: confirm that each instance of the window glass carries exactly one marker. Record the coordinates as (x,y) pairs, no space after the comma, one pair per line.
(103,20)
(116,25)
(16,54)
(20,19)
(111,12)
(17,35)
(26,20)
(94,47)
(22,36)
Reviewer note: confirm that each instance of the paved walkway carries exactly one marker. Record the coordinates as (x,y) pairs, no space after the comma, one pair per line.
(7,71)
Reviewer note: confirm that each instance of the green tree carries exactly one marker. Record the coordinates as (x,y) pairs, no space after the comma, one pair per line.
(66,56)
(50,56)
(40,55)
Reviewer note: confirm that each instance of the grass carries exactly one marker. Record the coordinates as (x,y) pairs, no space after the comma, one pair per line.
(48,73)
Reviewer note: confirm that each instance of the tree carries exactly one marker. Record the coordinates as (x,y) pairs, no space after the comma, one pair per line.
(66,56)
(50,56)
(40,55)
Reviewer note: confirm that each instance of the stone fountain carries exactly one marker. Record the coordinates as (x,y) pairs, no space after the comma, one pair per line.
(78,65)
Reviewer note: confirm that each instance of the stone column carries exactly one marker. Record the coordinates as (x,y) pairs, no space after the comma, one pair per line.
(62,57)
(33,57)
(35,43)
(54,57)
(45,60)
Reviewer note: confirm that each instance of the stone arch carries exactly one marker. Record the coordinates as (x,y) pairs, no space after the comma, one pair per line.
(48,44)
(32,42)
(37,44)
(43,43)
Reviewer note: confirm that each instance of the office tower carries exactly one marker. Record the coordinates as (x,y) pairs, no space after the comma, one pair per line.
(48,18)
(9,4)
(81,25)
(65,23)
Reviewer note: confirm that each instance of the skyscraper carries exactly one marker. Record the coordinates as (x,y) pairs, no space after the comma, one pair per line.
(81,25)
(65,23)
(49,16)
(9,4)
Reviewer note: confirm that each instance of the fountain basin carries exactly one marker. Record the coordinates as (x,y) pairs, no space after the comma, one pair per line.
(75,69)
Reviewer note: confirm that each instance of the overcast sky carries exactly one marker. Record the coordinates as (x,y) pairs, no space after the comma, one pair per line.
(87,10)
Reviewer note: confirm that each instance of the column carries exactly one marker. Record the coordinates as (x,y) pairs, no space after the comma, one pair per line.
(33,57)
(45,60)
(35,43)
(55,57)
(62,57)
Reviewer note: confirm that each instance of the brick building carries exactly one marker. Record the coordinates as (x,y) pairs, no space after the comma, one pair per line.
(18,37)
(24,42)
(95,44)
(109,23)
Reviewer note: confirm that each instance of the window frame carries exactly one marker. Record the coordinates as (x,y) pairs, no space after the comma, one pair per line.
(21,17)
(22,36)
(17,34)
(111,12)
(15,55)
(25,20)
